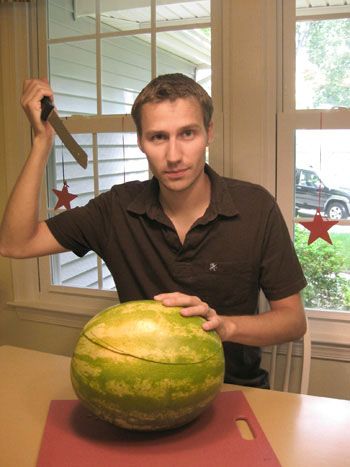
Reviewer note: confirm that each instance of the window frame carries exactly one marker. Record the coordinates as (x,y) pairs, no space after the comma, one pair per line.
(327,327)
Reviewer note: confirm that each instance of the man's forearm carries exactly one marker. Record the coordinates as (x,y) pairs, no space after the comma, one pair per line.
(283,323)
(21,215)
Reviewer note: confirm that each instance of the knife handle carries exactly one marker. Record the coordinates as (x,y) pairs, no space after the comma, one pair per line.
(46,108)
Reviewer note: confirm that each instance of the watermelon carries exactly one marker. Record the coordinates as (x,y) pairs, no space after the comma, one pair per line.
(143,366)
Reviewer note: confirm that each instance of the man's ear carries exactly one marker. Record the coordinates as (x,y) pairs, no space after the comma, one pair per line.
(210,132)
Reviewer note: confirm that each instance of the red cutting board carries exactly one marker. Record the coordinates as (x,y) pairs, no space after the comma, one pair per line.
(75,438)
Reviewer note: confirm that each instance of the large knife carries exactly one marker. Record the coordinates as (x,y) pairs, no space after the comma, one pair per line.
(49,113)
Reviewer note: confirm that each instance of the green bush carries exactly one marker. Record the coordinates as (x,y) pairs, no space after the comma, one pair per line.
(323,265)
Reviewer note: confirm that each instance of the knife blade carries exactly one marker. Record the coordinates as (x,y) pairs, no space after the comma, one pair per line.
(48,113)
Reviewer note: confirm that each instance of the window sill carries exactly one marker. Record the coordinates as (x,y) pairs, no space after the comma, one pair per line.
(57,313)
(329,328)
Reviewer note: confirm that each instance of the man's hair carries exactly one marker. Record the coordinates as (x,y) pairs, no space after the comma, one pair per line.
(171,87)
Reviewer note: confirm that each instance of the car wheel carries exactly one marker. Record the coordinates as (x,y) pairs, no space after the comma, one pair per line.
(336,211)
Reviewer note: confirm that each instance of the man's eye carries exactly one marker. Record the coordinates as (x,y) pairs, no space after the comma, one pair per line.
(157,137)
(188,133)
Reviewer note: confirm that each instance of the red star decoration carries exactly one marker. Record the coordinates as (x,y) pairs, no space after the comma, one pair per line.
(64,197)
(319,228)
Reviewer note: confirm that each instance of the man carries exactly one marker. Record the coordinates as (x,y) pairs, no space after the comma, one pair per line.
(188,237)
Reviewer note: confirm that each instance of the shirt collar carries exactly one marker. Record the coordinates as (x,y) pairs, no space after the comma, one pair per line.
(221,202)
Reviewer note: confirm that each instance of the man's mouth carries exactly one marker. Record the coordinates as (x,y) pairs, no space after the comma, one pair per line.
(176,173)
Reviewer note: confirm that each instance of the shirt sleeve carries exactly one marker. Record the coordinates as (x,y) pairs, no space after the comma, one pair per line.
(281,274)
(83,228)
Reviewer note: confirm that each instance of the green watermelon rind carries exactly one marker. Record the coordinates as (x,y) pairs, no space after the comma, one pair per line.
(140,395)
(142,390)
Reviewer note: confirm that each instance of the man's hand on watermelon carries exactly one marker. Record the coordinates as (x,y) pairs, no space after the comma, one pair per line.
(194,306)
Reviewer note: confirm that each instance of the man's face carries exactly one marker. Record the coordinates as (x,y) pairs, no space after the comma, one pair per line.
(174,140)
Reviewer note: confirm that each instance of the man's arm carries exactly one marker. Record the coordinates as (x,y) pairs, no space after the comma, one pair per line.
(284,322)
(21,233)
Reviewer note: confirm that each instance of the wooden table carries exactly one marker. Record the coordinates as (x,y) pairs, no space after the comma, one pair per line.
(302,430)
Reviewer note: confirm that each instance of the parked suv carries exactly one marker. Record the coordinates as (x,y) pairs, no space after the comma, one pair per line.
(311,193)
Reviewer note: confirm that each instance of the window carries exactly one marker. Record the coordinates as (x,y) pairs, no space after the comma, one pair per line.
(100,55)
(75,44)
(313,148)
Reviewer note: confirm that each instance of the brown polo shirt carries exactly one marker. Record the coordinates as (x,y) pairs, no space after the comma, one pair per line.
(239,246)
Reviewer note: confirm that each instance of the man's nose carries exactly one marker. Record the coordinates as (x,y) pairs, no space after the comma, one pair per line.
(173,153)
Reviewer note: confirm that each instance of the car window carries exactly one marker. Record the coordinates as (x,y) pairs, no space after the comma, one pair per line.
(309,179)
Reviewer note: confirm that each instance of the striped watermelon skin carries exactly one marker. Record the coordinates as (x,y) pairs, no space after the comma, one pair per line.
(143,366)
